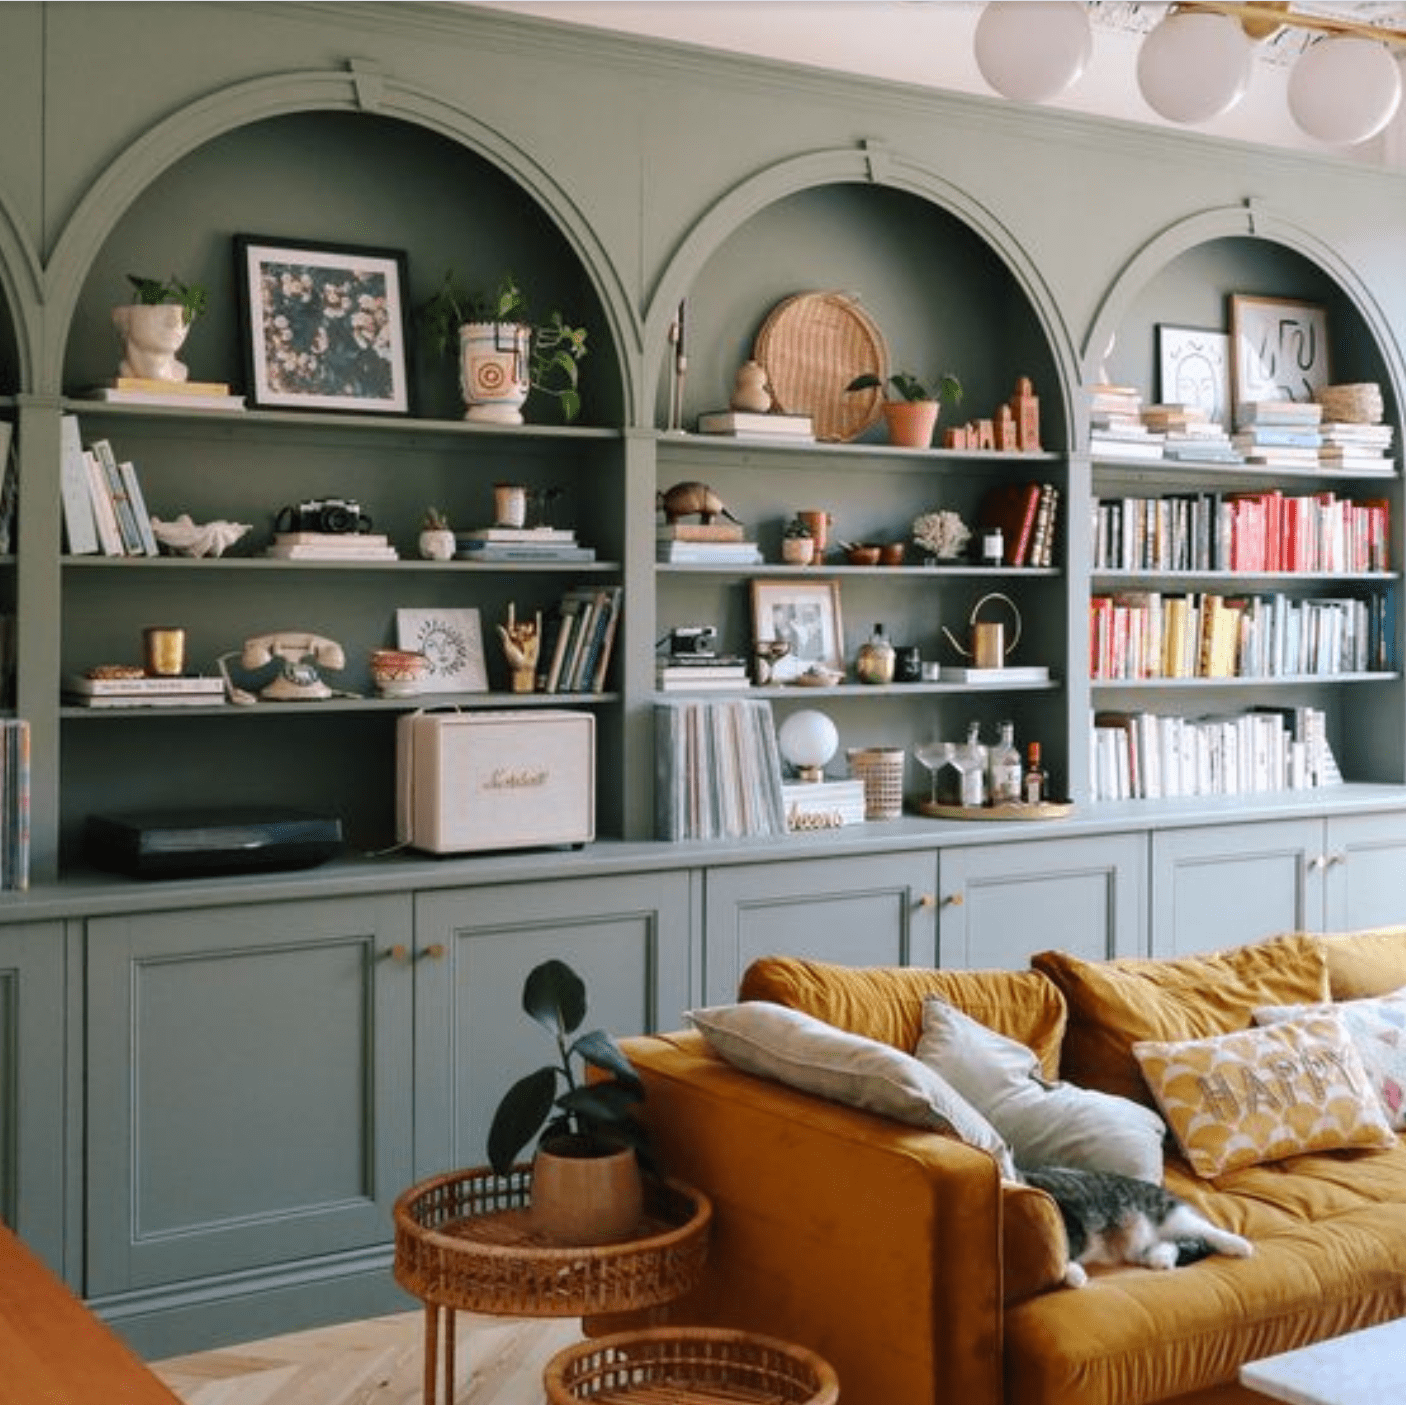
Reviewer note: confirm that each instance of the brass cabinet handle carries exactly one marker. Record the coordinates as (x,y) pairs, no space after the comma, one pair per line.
(928,900)
(955,899)
(1334,859)
(399,952)
(435,952)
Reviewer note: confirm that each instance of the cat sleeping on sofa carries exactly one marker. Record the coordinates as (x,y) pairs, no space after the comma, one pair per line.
(1112,1219)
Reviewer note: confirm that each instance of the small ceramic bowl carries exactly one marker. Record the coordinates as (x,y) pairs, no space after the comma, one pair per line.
(397,673)
(862,554)
(891,554)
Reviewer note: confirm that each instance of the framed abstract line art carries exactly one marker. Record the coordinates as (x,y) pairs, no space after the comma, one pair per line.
(1194,369)
(325,326)
(805,615)
(452,640)
(1279,348)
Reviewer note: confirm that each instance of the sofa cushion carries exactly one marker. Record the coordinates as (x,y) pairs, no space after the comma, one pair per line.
(1045,1122)
(1377,1027)
(806,1053)
(1369,962)
(1263,1094)
(886,1002)
(1114,1004)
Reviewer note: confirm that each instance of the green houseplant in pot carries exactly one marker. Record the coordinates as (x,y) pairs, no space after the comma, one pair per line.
(586,1186)
(502,354)
(153,327)
(911,406)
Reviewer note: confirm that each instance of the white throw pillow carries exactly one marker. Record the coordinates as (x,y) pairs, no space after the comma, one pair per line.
(1046,1123)
(806,1053)
(1377,1027)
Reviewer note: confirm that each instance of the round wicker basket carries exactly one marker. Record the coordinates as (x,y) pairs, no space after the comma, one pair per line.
(812,346)
(1356,403)
(690,1366)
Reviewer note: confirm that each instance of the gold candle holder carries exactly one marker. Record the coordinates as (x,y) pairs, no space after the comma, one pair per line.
(164,651)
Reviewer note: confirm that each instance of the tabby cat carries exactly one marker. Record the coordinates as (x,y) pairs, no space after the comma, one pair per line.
(1112,1219)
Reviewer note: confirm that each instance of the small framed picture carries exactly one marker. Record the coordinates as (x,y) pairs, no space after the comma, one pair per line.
(1279,348)
(452,640)
(325,326)
(805,615)
(1194,369)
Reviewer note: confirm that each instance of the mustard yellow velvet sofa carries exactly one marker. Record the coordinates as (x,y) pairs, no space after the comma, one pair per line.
(905,1258)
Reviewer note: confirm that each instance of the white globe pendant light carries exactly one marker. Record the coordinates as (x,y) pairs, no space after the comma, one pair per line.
(1032,52)
(1194,66)
(1344,90)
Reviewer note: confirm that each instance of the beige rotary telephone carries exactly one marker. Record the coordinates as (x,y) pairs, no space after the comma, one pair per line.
(301,655)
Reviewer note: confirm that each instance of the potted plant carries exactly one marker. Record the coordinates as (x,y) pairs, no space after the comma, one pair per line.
(585,1175)
(153,328)
(502,354)
(911,406)
(437,541)
(797,543)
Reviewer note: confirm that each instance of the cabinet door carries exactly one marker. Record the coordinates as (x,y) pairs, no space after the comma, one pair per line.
(1226,884)
(628,939)
(1001,903)
(864,911)
(33,1027)
(1364,872)
(249,1077)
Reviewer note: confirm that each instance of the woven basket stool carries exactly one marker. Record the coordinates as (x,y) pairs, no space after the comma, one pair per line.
(690,1366)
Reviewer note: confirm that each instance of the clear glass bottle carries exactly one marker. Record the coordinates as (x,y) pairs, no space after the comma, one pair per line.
(972,761)
(874,663)
(1003,768)
(1035,786)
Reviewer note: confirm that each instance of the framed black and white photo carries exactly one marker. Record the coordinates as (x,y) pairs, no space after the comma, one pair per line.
(325,326)
(1279,348)
(452,640)
(806,615)
(1193,365)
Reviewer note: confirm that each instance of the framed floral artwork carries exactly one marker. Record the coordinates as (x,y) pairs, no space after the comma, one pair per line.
(452,640)
(325,326)
(806,616)
(1194,369)
(1279,348)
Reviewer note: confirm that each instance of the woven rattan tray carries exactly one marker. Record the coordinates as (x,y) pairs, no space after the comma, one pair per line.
(812,345)
(690,1366)
(1016,810)
(463,1241)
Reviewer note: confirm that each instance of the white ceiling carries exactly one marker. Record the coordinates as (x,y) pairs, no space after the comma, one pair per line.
(929,43)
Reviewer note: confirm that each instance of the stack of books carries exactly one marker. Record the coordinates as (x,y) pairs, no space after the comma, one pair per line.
(82,691)
(1279,433)
(521,544)
(185,395)
(1116,429)
(719,770)
(1026,513)
(706,544)
(332,546)
(104,511)
(1355,447)
(578,639)
(748,424)
(701,673)
(1189,433)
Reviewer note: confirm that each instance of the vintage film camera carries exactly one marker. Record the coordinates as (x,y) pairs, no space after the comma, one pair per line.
(338,516)
(693,640)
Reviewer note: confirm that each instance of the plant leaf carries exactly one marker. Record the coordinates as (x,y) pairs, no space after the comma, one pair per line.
(603,1103)
(525,1107)
(555,996)
(600,1051)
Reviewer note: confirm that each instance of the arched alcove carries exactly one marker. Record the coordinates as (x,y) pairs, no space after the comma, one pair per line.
(343,178)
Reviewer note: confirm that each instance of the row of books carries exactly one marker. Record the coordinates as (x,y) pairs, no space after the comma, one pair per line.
(331,546)
(701,673)
(14,804)
(1142,756)
(1026,513)
(578,639)
(719,769)
(521,544)
(104,511)
(9,486)
(1320,533)
(1144,634)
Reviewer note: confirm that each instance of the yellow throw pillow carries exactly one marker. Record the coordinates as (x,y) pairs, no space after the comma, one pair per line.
(1113,1004)
(1263,1094)
(1363,964)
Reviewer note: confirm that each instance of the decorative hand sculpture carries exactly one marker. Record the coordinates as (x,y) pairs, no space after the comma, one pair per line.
(520,645)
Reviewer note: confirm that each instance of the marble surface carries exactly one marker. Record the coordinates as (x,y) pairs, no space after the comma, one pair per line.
(1361,1368)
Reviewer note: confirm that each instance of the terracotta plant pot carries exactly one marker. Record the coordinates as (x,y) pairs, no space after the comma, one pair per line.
(911,422)
(581,1198)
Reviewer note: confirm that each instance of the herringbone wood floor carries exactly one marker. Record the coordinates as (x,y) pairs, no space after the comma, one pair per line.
(375,1362)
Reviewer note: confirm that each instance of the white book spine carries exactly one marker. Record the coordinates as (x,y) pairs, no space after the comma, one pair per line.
(73,483)
(104,513)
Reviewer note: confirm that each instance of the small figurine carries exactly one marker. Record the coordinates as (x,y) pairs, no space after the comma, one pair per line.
(1006,440)
(689,499)
(1025,406)
(749,390)
(520,645)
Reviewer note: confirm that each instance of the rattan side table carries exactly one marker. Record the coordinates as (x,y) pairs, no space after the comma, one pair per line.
(463,1243)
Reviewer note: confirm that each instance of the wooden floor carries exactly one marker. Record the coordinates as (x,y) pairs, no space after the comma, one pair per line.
(376,1362)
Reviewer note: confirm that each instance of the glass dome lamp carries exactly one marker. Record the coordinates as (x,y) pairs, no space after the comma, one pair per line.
(1194,66)
(1032,52)
(808,739)
(1344,90)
